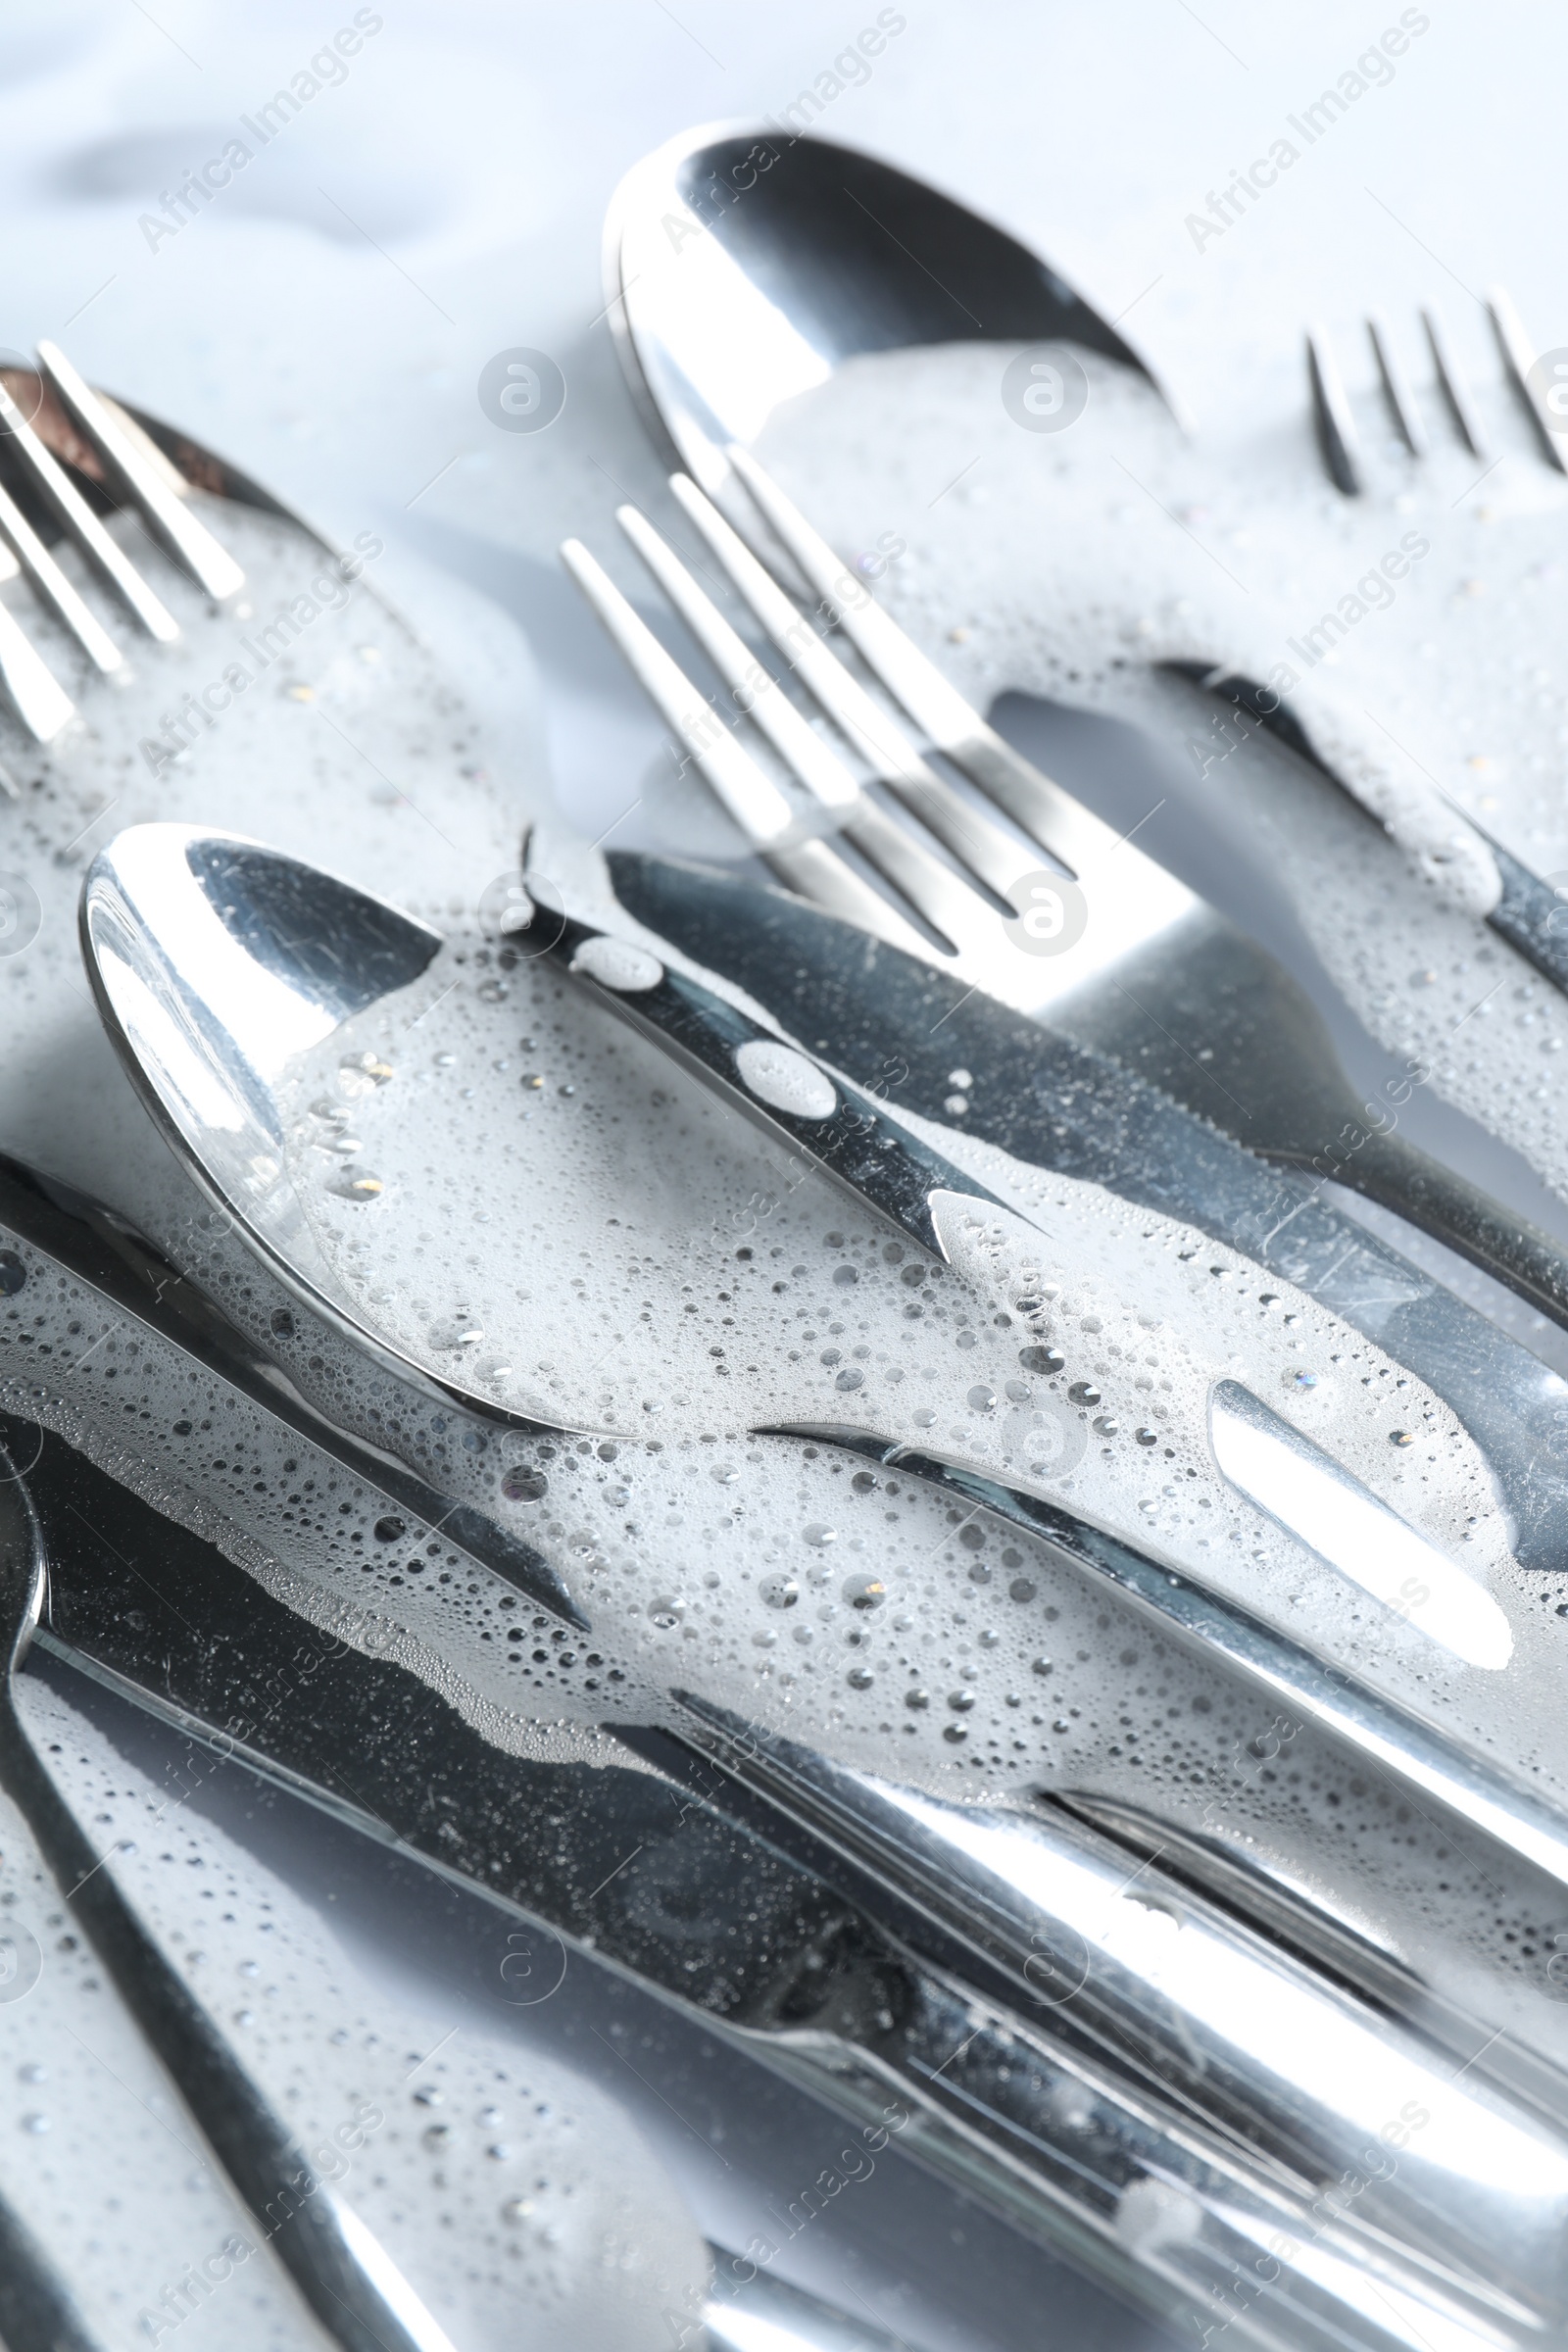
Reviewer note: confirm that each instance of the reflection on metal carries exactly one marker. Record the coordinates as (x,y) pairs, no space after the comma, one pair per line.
(1318,1502)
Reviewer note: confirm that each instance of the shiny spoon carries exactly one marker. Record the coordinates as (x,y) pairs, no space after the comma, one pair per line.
(217,962)
(817,254)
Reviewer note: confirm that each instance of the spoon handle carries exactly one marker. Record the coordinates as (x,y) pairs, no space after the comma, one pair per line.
(352,2285)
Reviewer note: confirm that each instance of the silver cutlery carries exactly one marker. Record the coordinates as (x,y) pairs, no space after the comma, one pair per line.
(825,253)
(1080,2040)
(345,2274)
(1232,1027)
(134,477)
(1337,438)
(210,1068)
(802,254)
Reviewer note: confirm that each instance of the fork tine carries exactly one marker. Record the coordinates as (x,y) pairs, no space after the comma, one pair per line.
(747,792)
(185,537)
(981,848)
(811,868)
(1455,391)
(53,585)
(1138,898)
(1519,358)
(40,701)
(1330,413)
(952,909)
(756,690)
(1396,388)
(83,524)
(930,700)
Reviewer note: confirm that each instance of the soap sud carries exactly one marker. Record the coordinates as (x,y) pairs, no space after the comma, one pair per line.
(580,1254)
(1069,583)
(659,1275)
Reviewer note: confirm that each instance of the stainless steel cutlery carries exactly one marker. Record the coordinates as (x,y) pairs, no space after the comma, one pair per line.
(1120,936)
(1337,437)
(111,450)
(1167,2020)
(348,2279)
(1039,2013)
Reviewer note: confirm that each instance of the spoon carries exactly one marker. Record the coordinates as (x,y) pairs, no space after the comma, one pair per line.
(815,254)
(218,963)
(206,955)
(349,2282)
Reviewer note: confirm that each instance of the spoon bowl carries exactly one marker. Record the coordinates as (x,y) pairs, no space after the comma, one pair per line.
(215,963)
(742,269)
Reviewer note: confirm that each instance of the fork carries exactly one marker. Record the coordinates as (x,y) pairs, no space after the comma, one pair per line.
(1091,946)
(38,491)
(1338,439)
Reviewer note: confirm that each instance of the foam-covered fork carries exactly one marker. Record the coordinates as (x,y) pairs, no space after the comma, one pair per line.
(1092,942)
(47,435)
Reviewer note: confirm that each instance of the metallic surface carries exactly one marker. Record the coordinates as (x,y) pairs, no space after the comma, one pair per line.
(348,2279)
(802,254)
(808,262)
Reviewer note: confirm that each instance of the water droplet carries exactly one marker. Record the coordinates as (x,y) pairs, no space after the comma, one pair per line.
(820,1533)
(1147,1436)
(1041,1360)
(359,1074)
(1303,1380)
(963,1080)
(1106,1425)
(785,1080)
(524,1484)
(361,1189)
(437,2137)
(860,1678)
(1401,1437)
(667,1611)
(13,1273)
(280,1323)
(615,963)
(779,1591)
(36,2123)
(961,1701)
(982,1399)
(918,1698)
(849,1378)
(1084,1392)
(864,1592)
